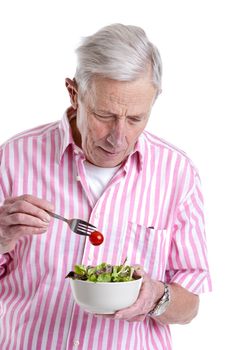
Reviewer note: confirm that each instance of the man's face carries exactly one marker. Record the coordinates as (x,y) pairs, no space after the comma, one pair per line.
(111,118)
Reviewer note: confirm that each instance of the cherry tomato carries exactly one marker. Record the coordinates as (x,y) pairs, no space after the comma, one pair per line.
(96,238)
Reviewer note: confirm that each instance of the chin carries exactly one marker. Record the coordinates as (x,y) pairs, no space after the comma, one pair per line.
(107,163)
(106,160)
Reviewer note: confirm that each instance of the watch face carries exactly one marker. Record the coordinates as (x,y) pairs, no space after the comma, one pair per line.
(162,308)
(163,303)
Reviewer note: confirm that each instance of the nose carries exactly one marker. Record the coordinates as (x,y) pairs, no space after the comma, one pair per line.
(117,135)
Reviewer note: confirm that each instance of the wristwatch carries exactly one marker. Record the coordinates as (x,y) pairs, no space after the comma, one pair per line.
(162,304)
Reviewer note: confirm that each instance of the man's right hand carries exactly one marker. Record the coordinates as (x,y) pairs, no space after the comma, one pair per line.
(21,216)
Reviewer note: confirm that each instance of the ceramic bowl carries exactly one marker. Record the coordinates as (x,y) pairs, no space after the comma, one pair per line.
(105,297)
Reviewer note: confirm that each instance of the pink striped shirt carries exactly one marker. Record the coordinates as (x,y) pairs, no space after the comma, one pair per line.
(151,212)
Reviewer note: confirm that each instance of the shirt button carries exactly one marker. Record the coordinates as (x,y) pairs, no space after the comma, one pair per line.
(76,343)
(78,178)
(90,257)
(97,215)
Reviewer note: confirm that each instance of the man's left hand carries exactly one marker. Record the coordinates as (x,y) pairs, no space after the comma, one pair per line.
(150,292)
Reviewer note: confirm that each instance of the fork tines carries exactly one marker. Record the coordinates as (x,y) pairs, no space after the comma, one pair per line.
(84,228)
(85,223)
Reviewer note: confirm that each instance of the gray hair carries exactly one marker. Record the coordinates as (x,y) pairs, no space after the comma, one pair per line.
(119,52)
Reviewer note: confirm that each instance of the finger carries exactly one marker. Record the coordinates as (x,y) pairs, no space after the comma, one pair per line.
(128,313)
(23,219)
(138,318)
(21,230)
(138,270)
(21,206)
(15,232)
(39,202)
(105,315)
(138,308)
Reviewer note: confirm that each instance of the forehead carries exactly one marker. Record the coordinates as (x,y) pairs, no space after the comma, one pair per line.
(107,92)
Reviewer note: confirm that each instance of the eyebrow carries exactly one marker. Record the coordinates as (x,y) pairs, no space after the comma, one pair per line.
(104,112)
(108,113)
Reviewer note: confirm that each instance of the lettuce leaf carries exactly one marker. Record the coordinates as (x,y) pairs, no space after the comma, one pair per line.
(104,272)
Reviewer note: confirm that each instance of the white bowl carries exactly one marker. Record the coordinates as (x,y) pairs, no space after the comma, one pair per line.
(105,297)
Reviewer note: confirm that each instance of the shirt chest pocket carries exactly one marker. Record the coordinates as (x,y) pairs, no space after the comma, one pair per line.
(147,247)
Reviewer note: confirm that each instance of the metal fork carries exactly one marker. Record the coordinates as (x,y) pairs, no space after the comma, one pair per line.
(78,226)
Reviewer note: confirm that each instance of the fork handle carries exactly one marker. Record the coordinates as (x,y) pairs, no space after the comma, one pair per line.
(56,216)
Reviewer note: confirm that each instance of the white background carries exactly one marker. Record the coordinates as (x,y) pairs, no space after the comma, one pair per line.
(38,39)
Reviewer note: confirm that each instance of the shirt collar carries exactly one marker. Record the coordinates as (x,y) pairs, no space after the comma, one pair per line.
(67,139)
(66,132)
(137,152)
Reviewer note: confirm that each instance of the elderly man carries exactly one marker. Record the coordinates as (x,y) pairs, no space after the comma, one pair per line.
(99,164)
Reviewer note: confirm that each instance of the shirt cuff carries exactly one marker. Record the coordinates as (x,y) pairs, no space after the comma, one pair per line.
(195,281)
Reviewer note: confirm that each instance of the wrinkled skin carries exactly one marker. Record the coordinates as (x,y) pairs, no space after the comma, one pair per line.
(150,292)
(111,117)
(23,215)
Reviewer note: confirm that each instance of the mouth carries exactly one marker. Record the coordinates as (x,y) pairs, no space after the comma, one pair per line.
(111,153)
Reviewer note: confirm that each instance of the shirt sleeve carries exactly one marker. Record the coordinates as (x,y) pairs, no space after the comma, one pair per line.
(187,262)
(6,251)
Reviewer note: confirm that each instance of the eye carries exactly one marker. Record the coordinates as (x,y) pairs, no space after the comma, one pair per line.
(103,117)
(135,119)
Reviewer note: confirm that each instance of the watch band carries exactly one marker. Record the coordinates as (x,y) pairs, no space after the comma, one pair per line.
(162,304)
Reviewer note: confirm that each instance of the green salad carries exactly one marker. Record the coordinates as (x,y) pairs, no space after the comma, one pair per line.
(104,273)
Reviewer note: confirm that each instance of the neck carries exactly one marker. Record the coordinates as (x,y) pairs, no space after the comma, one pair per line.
(71,113)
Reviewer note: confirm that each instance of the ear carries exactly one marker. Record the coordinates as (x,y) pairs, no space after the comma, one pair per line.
(73,92)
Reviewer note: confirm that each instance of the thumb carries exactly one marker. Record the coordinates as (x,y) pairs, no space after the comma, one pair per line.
(139,271)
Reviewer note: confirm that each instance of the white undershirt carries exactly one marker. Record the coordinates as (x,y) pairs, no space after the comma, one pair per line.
(98,178)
